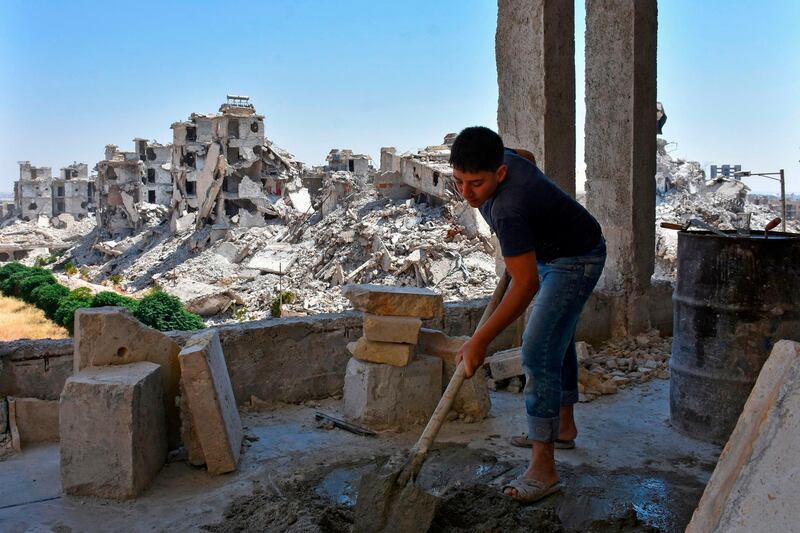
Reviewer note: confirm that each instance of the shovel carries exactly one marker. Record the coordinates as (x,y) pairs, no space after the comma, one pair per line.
(388,500)
(695,222)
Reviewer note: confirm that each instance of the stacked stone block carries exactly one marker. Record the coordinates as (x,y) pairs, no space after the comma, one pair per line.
(387,385)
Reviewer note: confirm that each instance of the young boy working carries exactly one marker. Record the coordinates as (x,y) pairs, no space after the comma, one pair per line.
(552,248)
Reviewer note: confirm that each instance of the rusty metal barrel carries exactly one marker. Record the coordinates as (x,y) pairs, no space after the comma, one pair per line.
(734,298)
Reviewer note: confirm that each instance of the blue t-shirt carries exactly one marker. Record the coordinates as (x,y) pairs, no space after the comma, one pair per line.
(529,212)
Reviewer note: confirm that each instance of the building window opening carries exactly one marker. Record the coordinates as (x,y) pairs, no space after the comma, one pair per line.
(151,154)
(191,188)
(191,133)
(151,196)
(151,175)
(233,128)
(254,126)
(435,178)
(351,166)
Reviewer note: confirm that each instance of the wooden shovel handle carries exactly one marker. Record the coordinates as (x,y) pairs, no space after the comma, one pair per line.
(670,225)
(772,223)
(420,449)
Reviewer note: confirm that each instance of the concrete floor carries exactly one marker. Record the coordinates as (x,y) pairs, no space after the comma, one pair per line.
(628,457)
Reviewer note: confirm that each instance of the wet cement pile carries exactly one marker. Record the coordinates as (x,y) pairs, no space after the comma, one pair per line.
(468,483)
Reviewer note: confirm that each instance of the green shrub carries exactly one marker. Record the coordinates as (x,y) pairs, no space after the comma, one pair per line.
(112,299)
(41,261)
(11,268)
(77,299)
(27,285)
(70,269)
(287,297)
(12,285)
(166,313)
(115,279)
(48,298)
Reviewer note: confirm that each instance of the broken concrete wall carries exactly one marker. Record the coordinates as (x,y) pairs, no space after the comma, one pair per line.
(33,194)
(297,358)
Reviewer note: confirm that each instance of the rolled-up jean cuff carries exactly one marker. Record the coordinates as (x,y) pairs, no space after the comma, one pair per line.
(569,397)
(543,429)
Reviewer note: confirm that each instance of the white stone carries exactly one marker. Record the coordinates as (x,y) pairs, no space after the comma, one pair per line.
(506,364)
(113,435)
(755,484)
(390,397)
(392,328)
(275,258)
(210,400)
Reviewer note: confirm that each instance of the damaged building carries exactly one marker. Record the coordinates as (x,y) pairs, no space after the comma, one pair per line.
(427,172)
(128,180)
(346,160)
(39,193)
(226,171)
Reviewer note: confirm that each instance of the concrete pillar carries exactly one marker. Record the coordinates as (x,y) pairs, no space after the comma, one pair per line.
(621,146)
(535,50)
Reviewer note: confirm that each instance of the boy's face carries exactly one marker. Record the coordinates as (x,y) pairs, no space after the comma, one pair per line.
(477,187)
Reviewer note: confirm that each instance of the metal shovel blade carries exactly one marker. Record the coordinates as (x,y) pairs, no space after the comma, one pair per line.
(385,505)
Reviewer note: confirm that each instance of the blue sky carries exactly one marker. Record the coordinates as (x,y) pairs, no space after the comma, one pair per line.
(355,74)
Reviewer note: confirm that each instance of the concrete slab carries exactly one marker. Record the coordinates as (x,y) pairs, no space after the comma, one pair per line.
(113,434)
(395,301)
(210,401)
(755,484)
(32,421)
(274,259)
(111,336)
(657,477)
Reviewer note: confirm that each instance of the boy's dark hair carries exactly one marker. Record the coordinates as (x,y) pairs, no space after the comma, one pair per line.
(477,149)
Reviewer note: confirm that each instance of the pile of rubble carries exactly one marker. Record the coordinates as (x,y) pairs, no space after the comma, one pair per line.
(604,370)
(684,193)
(234,273)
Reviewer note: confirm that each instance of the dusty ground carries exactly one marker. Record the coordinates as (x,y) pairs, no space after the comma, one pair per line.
(19,320)
(630,472)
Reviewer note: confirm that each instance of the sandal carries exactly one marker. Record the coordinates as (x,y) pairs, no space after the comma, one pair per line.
(530,490)
(522,441)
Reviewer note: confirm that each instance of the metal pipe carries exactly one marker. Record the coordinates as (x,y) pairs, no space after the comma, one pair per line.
(783,202)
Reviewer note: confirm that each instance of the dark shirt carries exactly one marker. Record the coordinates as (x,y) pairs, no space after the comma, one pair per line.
(529,212)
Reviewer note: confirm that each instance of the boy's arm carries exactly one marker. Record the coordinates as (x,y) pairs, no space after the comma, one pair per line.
(524,284)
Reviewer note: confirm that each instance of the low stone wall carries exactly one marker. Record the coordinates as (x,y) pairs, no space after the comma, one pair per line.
(286,360)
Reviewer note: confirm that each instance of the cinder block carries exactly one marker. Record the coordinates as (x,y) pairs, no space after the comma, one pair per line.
(392,328)
(113,434)
(755,484)
(32,421)
(111,336)
(209,398)
(506,364)
(395,301)
(391,397)
(389,353)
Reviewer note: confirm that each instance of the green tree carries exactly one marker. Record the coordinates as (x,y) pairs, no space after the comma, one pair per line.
(112,299)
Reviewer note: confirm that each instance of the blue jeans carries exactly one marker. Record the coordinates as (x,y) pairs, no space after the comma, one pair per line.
(548,344)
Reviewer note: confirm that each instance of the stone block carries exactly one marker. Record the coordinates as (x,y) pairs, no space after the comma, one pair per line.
(395,301)
(438,343)
(32,421)
(473,398)
(390,397)
(113,434)
(506,364)
(403,329)
(389,353)
(111,336)
(209,398)
(191,443)
(754,485)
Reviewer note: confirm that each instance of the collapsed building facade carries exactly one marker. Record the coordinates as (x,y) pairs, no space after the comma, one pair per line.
(125,180)
(39,193)
(225,171)
(427,172)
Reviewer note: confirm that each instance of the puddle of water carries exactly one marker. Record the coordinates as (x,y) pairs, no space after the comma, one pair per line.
(339,486)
